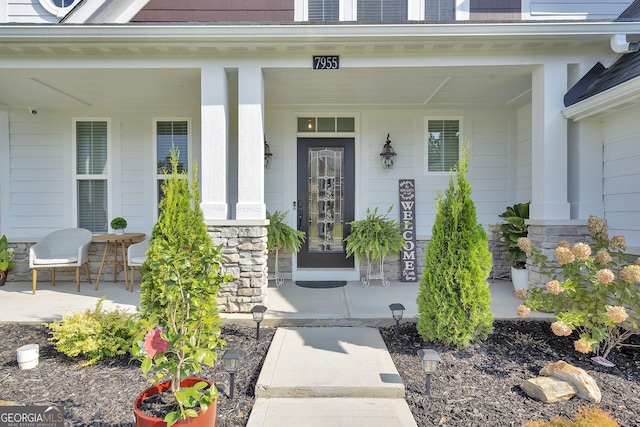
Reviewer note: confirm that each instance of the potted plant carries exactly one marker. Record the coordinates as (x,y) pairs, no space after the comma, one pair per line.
(511,230)
(6,257)
(118,224)
(282,236)
(373,238)
(178,295)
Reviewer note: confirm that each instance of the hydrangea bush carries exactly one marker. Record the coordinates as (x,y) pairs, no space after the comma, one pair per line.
(593,290)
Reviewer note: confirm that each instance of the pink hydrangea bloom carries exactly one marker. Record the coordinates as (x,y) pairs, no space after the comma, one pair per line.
(153,342)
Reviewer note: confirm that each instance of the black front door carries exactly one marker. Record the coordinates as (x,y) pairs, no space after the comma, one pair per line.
(325,202)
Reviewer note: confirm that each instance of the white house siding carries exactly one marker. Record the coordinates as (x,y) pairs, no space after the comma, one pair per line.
(491,135)
(523,163)
(621,175)
(31,11)
(573,9)
(39,193)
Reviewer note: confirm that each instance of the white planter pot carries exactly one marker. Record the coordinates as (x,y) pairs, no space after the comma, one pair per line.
(520,278)
(27,356)
(119,232)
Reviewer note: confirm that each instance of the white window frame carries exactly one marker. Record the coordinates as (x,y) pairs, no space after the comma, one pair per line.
(59,12)
(77,177)
(426,141)
(348,10)
(158,176)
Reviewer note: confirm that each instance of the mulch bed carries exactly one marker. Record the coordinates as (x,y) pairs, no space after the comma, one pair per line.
(474,386)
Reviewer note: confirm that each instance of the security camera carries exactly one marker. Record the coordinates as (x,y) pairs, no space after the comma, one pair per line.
(33,110)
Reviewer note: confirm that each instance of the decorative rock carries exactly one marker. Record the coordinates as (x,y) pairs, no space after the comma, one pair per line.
(548,389)
(585,385)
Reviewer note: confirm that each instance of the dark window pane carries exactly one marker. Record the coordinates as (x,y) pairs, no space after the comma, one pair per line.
(443,144)
(382,10)
(439,10)
(92,205)
(323,10)
(172,134)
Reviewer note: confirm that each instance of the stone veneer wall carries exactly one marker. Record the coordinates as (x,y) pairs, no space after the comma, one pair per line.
(245,251)
(545,236)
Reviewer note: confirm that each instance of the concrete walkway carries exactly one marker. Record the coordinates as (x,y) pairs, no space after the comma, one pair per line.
(313,375)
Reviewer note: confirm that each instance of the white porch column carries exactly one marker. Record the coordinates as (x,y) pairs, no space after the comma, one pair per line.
(250,144)
(215,140)
(585,174)
(549,144)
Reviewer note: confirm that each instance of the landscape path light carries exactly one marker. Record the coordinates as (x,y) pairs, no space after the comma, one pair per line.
(231,360)
(258,316)
(430,360)
(396,311)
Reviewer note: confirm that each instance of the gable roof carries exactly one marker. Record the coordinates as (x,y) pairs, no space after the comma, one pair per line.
(600,79)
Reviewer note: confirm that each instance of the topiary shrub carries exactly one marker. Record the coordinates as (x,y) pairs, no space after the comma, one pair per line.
(453,297)
(92,334)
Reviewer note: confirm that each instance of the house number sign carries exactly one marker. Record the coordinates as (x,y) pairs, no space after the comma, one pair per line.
(326,62)
(407,190)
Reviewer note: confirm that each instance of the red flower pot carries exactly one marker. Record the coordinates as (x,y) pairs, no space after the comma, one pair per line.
(207,418)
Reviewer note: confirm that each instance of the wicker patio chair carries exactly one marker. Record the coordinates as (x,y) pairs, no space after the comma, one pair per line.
(136,256)
(64,248)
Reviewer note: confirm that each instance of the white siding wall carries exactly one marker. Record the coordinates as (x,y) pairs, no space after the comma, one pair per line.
(28,11)
(492,138)
(573,9)
(622,175)
(39,194)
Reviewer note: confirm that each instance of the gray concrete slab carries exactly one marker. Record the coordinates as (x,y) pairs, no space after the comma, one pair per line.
(328,362)
(331,412)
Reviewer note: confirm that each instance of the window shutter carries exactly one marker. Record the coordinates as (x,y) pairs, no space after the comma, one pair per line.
(382,10)
(323,10)
(439,10)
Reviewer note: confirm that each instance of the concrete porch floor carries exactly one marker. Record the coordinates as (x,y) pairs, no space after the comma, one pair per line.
(290,305)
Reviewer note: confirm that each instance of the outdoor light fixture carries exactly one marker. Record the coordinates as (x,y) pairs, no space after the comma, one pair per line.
(396,312)
(430,360)
(258,316)
(388,155)
(231,360)
(267,154)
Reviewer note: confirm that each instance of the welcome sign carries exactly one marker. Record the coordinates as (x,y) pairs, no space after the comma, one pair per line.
(407,190)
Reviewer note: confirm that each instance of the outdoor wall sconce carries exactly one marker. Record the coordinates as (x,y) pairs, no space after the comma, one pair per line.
(430,360)
(388,155)
(231,360)
(396,312)
(258,316)
(267,154)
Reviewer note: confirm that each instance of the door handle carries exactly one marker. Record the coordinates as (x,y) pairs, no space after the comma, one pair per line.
(300,214)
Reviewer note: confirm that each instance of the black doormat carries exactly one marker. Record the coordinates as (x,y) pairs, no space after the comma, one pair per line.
(317,284)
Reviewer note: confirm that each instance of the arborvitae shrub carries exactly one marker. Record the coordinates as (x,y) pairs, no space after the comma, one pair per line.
(453,298)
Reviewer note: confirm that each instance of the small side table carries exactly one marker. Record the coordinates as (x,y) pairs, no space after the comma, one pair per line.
(117,240)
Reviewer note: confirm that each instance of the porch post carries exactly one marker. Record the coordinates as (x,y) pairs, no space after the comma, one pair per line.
(549,144)
(585,169)
(215,139)
(250,144)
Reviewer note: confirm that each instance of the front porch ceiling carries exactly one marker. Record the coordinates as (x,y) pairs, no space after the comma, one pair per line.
(131,89)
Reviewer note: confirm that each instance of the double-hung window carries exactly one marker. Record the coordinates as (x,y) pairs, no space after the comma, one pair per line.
(442,144)
(170,134)
(323,10)
(92,143)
